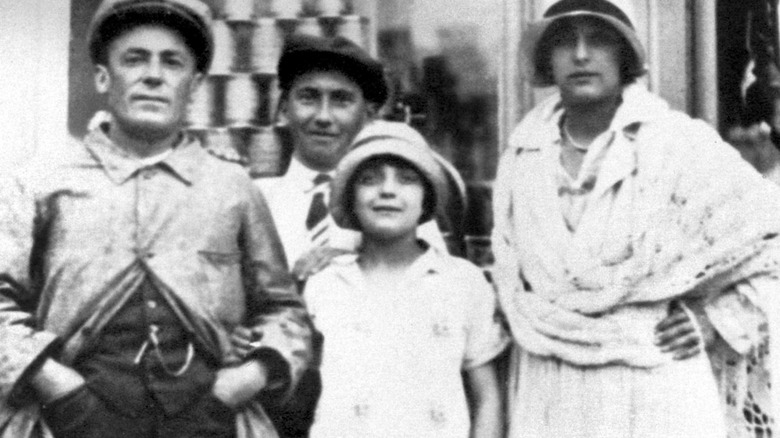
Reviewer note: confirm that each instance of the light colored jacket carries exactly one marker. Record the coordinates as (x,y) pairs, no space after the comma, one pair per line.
(79,234)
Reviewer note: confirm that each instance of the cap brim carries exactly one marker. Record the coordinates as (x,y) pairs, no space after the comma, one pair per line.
(193,25)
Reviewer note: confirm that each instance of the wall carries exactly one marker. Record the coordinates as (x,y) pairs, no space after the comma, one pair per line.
(34,72)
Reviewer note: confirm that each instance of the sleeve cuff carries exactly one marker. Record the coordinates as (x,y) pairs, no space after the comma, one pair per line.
(285,348)
(24,360)
(278,369)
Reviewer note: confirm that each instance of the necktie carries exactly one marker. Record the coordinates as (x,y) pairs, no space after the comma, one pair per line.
(318,211)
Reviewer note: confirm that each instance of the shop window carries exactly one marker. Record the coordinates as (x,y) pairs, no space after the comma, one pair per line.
(442,60)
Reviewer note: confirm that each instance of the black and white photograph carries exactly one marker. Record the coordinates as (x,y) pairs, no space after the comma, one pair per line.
(389,218)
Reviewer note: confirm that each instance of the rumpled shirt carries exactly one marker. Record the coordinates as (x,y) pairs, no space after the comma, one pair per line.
(78,235)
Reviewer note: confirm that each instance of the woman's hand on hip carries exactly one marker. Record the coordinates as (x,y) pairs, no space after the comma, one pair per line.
(679,333)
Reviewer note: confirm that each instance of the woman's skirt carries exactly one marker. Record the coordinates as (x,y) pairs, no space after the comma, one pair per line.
(552,398)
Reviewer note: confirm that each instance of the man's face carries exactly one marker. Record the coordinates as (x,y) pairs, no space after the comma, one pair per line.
(324,111)
(148,80)
(585,62)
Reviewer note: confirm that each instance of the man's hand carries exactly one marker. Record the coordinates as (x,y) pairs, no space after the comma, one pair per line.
(54,380)
(679,333)
(235,386)
(315,260)
(242,339)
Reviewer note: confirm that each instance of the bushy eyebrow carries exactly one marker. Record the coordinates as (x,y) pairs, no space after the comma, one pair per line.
(165,53)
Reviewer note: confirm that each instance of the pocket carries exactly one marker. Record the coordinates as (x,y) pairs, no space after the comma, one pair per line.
(223,274)
(221,258)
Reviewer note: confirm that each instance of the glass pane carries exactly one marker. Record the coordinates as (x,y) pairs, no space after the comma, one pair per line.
(442,59)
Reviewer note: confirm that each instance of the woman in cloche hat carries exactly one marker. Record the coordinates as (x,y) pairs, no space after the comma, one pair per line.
(626,236)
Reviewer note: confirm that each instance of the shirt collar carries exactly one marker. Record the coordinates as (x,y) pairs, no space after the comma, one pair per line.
(638,106)
(119,165)
(302,176)
(432,261)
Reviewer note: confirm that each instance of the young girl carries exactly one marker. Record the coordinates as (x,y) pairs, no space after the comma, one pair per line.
(403,323)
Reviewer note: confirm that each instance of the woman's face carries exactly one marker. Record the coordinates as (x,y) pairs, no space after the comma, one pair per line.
(585,61)
(388,200)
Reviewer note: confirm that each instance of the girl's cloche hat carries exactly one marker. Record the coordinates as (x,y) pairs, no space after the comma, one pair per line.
(383,138)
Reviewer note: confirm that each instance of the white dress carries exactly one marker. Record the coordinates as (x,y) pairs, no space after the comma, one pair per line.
(393,358)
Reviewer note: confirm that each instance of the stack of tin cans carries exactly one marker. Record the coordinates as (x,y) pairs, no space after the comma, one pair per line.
(234,110)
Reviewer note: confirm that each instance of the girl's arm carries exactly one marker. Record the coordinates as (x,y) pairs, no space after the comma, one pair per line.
(487,411)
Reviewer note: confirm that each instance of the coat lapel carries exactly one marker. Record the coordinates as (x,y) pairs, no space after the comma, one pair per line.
(539,203)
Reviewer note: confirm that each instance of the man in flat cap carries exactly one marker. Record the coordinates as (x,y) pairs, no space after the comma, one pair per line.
(126,264)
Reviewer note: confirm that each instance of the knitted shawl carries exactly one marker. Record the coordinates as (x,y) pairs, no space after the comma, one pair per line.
(702,220)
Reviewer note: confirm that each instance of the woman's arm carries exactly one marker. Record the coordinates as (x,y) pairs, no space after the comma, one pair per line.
(487,411)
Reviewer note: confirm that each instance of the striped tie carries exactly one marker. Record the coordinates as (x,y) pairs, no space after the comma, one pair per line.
(316,222)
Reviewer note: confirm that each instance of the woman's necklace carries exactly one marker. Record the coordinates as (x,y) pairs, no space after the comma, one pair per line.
(579,146)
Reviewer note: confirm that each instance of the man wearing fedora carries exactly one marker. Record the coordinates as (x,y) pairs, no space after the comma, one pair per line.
(127,263)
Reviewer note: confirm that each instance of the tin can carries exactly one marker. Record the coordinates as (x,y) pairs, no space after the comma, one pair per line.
(264,153)
(241,100)
(224,48)
(268,92)
(331,7)
(200,111)
(239,10)
(267,43)
(286,8)
(309,26)
(351,28)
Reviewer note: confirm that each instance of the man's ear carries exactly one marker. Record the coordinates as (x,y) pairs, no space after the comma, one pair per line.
(197,80)
(102,79)
(372,111)
(281,112)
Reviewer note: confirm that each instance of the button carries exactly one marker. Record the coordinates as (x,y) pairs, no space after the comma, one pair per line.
(148,173)
(143,254)
(361,409)
(151,304)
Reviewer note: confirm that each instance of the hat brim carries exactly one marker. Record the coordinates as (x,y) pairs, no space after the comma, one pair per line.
(195,30)
(531,36)
(418,156)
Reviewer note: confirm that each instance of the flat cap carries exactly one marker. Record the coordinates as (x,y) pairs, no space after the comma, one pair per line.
(305,53)
(192,18)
